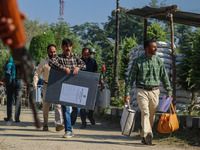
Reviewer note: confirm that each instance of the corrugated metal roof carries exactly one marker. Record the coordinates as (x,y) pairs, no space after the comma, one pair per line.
(181,17)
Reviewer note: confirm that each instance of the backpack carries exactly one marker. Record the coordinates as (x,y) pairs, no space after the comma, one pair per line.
(9,74)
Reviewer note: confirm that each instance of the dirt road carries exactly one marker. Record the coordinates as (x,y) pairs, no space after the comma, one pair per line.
(102,136)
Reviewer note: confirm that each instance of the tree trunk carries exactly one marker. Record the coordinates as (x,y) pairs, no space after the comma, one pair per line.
(191,106)
(115,79)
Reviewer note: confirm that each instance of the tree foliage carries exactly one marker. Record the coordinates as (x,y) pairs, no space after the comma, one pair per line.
(155,31)
(4,55)
(155,4)
(129,25)
(183,34)
(108,57)
(189,72)
(38,45)
(33,28)
(61,30)
(128,44)
(89,32)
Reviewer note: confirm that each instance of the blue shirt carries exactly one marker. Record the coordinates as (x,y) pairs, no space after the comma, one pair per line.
(91,65)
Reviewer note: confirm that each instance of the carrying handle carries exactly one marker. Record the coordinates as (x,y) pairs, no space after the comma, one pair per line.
(128,104)
(172,108)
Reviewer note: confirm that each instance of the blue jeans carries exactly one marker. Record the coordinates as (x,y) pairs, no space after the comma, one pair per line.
(69,120)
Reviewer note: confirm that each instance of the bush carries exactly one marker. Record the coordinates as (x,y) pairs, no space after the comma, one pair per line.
(119,102)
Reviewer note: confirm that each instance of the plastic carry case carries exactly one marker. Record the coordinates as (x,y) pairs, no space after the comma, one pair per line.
(128,120)
(103,98)
(37,94)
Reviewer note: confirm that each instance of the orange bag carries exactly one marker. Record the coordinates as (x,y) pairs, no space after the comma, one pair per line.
(168,122)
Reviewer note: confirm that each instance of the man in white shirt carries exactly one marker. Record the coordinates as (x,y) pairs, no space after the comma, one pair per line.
(44,68)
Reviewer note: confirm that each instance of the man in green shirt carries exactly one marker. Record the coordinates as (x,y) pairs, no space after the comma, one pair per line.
(147,70)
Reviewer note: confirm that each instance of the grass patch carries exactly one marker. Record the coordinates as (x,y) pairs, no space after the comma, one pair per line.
(183,137)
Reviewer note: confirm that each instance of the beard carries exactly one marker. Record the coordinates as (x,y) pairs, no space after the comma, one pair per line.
(51,56)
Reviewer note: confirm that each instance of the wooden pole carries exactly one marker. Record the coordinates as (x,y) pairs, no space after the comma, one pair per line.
(115,80)
(145,30)
(173,60)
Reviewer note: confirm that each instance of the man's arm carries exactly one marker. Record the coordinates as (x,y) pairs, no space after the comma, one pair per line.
(131,78)
(54,63)
(13,71)
(95,66)
(80,63)
(37,74)
(165,80)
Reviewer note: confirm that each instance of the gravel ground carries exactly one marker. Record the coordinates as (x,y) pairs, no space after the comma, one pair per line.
(104,135)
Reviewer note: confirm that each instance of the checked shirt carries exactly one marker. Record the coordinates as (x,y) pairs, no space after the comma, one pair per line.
(148,72)
(61,61)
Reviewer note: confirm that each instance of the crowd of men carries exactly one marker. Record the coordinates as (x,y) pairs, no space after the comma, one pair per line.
(147,71)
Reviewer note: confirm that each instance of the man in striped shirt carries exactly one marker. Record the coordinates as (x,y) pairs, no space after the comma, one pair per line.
(68,62)
(147,71)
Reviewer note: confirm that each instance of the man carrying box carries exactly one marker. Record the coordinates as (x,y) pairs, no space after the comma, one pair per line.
(68,62)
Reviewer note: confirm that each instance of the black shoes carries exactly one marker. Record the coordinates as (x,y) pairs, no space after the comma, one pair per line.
(143,141)
(148,139)
(8,119)
(17,120)
(45,128)
(92,121)
(83,126)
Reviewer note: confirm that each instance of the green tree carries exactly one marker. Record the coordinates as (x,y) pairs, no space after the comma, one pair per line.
(108,57)
(128,44)
(38,45)
(61,30)
(155,31)
(89,32)
(183,33)
(4,55)
(33,28)
(155,4)
(189,72)
(129,25)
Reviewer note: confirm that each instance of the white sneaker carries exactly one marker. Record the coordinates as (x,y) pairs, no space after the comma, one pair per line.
(68,134)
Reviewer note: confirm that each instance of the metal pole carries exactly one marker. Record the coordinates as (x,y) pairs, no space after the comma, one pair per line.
(173,60)
(115,80)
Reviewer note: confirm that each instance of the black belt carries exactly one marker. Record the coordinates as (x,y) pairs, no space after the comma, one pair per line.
(149,88)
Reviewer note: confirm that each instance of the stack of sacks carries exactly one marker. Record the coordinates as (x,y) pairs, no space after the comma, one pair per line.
(164,52)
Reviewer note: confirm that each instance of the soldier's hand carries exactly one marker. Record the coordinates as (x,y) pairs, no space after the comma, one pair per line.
(127,99)
(75,71)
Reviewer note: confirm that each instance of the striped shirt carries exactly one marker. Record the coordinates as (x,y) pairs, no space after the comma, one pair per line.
(148,71)
(61,61)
